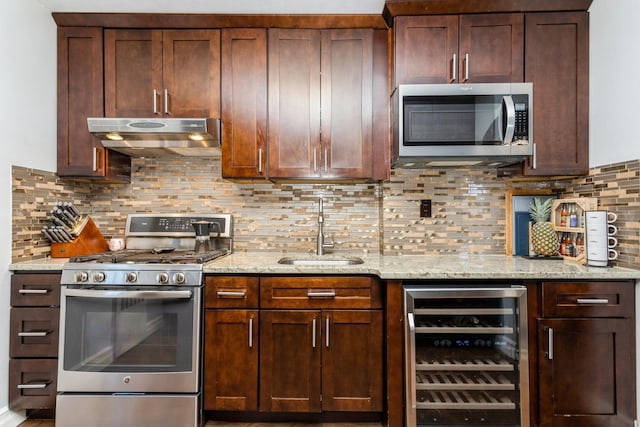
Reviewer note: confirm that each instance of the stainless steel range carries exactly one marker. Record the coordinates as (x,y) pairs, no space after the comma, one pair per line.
(130,325)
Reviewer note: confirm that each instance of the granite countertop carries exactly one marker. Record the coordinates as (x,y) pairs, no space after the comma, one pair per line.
(394,267)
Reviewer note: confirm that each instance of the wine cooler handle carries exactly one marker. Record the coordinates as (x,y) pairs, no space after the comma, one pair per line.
(412,359)
(550,351)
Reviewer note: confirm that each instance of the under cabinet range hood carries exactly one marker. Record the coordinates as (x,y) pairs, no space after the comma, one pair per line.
(157,137)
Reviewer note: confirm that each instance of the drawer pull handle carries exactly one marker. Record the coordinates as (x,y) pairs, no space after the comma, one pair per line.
(592,301)
(33,386)
(33,291)
(34,334)
(327,294)
(231,294)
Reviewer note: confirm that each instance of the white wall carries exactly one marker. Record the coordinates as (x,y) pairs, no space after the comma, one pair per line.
(614,85)
(28,123)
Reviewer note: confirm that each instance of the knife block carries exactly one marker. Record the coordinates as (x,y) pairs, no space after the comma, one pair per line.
(89,241)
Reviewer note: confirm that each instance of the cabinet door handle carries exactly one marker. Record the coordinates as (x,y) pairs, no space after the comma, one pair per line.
(166,102)
(155,101)
(95,159)
(33,291)
(454,68)
(327,294)
(34,334)
(251,332)
(231,294)
(33,386)
(313,333)
(327,332)
(260,160)
(535,156)
(315,160)
(592,301)
(466,68)
(326,160)
(550,351)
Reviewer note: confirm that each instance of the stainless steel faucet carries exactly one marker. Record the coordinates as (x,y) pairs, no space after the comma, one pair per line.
(321,243)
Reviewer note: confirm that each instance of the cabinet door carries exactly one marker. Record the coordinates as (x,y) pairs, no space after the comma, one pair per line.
(426,49)
(191,73)
(491,48)
(294,103)
(133,71)
(244,102)
(290,346)
(352,361)
(346,103)
(80,95)
(32,383)
(231,360)
(586,372)
(557,63)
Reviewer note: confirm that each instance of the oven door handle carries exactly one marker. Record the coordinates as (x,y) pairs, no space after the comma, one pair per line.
(91,293)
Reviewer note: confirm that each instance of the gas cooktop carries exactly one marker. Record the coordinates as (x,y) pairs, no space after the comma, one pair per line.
(153,256)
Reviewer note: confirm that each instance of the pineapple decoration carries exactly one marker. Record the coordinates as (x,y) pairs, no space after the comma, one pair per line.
(544,238)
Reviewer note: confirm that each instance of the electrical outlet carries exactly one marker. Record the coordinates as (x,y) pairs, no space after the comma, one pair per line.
(425,208)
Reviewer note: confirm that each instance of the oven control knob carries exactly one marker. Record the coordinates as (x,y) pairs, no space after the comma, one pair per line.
(163,278)
(82,276)
(132,277)
(98,277)
(126,379)
(179,278)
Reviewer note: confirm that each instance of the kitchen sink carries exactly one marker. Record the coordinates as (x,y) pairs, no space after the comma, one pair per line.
(321,260)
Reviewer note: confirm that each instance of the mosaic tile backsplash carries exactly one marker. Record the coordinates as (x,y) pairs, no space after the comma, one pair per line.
(468,207)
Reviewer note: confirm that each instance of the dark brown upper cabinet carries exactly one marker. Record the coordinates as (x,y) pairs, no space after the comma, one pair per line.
(244,102)
(484,48)
(80,95)
(173,73)
(320,103)
(557,63)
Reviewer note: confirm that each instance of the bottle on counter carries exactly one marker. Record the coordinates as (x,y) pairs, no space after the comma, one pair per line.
(569,247)
(563,244)
(564,215)
(579,244)
(573,216)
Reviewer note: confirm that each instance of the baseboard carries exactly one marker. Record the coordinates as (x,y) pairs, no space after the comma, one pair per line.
(10,418)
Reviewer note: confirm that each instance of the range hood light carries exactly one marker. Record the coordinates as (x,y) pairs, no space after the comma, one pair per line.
(114,136)
(195,137)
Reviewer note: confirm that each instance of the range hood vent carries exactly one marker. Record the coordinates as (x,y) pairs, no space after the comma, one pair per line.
(158,137)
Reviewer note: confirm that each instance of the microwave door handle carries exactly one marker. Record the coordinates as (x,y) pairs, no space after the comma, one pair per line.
(509,126)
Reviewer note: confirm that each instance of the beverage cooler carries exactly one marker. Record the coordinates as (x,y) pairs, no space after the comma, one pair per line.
(466,357)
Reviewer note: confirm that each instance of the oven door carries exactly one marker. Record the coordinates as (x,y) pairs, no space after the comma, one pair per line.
(141,340)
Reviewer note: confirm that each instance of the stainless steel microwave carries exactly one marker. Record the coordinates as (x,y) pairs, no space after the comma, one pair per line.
(462,124)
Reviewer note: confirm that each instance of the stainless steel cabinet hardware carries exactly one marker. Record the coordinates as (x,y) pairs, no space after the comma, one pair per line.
(231,294)
(251,332)
(166,102)
(260,160)
(95,159)
(33,386)
(592,301)
(315,160)
(155,101)
(466,68)
(325,294)
(454,68)
(327,332)
(33,291)
(313,333)
(550,351)
(34,334)
(326,161)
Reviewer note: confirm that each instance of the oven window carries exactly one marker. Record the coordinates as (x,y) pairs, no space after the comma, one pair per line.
(128,334)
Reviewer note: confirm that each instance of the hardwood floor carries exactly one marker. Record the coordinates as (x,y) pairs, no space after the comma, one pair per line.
(50,423)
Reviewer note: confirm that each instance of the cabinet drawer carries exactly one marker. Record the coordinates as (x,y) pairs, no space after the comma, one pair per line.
(320,292)
(34,332)
(35,290)
(32,383)
(231,292)
(588,299)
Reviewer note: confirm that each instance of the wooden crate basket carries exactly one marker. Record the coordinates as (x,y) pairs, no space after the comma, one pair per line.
(89,241)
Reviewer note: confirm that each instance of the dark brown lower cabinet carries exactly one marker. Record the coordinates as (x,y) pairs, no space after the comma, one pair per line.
(231,360)
(586,355)
(328,360)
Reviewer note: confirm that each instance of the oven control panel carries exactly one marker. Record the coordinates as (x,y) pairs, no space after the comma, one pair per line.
(126,274)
